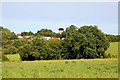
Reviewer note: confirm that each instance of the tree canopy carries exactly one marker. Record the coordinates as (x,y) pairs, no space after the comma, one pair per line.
(27,33)
(45,32)
(83,42)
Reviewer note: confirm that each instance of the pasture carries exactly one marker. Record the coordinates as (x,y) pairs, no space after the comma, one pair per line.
(113,49)
(91,68)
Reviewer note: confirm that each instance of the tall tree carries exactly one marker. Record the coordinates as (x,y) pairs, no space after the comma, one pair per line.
(97,42)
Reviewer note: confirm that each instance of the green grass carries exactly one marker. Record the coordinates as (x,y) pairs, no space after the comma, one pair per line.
(13,57)
(113,49)
(91,68)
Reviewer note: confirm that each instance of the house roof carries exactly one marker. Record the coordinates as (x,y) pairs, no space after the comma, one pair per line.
(18,34)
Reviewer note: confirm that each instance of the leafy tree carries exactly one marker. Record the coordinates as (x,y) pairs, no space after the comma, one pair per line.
(10,50)
(30,33)
(113,38)
(25,52)
(8,38)
(83,42)
(73,43)
(41,50)
(33,51)
(45,32)
(19,42)
(6,34)
(97,42)
(53,49)
(13,36)
(27,33)
(24,33)
(70,29)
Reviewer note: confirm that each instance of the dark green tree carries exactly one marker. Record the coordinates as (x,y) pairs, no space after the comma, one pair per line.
(27,33)
(73,43)
(45,32)
(10,50)
(97,42)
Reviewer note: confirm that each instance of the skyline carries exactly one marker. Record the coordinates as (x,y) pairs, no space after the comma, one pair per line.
(19,17)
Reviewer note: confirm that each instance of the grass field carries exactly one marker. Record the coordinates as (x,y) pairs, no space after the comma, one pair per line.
(83,68)
(96,68)
(113,49)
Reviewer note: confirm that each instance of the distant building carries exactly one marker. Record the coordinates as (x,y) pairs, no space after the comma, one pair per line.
(46,38)
(19,35)
(60,30)
(25,37)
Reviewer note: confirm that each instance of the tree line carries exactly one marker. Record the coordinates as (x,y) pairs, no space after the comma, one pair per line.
(84,42)
(113,38)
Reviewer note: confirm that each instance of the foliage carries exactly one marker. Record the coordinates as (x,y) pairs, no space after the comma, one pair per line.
(96,41)
(53,49)
(113,38)
(7,34)
(27,33)
(45,32)
(19,43)
(84,42)
(72,45)
(40,49)
(8,38)
(10,50)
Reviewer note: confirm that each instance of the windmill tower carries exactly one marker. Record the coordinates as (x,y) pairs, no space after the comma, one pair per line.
(60,30)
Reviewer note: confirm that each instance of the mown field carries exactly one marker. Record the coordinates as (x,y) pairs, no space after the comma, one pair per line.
(82,68)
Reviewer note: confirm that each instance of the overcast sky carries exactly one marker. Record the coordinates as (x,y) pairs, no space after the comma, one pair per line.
(34,16)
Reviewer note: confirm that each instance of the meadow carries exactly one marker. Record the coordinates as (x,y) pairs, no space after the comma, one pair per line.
(113,49)
(81,68)
(92,68)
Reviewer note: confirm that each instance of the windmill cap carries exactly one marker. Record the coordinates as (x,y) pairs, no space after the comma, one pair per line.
(60,29)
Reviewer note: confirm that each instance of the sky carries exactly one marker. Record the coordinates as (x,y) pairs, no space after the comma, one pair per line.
(33,16)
